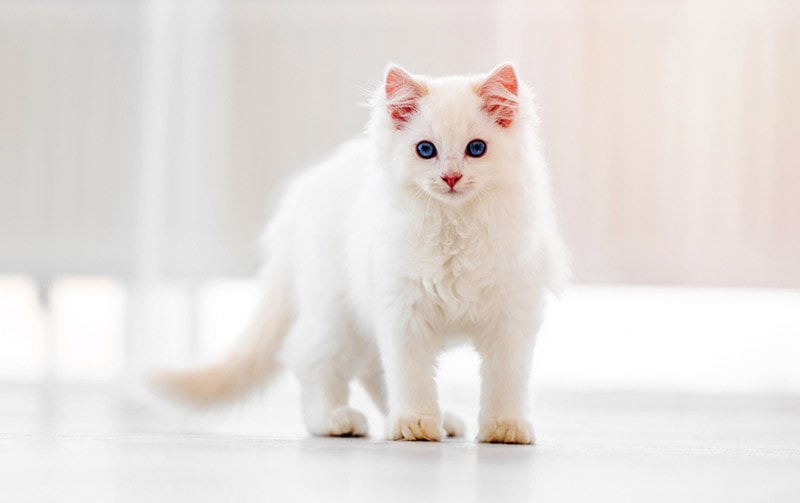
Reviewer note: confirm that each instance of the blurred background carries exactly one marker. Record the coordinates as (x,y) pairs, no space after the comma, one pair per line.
(143,142)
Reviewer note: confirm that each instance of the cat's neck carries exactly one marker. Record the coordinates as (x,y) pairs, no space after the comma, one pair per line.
(486,214)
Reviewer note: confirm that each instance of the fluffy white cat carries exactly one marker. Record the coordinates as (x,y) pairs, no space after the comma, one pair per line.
(433,228)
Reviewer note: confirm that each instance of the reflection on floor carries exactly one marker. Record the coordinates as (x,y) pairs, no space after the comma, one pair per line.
(85,444)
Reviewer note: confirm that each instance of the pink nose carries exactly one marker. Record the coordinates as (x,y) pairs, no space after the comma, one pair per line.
(452,179)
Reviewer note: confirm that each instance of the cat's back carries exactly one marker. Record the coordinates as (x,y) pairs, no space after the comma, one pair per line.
(315,204)
(332,182)
(323,190)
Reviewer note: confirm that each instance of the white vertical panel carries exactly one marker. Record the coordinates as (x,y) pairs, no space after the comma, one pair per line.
(22,345)
(88,323)
(225,308)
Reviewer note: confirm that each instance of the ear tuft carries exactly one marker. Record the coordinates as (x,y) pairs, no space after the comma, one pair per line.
(402,94)
(500,94)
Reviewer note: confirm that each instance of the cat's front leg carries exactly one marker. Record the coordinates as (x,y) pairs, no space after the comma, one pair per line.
(506,356)
(409,357)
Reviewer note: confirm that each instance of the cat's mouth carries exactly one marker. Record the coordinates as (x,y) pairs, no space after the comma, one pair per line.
(452,193)
(455,194)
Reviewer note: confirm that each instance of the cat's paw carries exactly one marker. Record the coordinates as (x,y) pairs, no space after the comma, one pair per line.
(346,422)
(453,425)
(414,427)
(507,430)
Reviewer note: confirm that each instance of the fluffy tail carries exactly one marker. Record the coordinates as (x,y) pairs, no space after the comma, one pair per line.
(252,365)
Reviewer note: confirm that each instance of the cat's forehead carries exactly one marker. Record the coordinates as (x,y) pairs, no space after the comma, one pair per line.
(451,109)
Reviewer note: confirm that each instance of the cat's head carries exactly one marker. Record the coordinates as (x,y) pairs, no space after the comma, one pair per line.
(453,137)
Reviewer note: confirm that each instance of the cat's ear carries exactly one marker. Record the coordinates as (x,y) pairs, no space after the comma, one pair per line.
(500,94)
(402,95)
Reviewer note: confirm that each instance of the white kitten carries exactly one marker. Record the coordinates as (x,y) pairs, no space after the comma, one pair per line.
(433,228)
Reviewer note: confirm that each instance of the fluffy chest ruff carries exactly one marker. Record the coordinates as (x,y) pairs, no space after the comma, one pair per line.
(453,268)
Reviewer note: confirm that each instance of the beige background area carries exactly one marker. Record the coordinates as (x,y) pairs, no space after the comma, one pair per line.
(674,140)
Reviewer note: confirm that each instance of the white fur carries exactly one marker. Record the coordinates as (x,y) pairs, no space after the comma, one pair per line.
(384,269)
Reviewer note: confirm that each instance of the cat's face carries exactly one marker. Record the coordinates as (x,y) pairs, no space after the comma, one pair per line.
(451,138)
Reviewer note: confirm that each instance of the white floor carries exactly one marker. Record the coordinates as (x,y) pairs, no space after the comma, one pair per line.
(87,444)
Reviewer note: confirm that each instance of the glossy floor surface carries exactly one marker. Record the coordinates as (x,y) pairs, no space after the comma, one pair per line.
(80,444)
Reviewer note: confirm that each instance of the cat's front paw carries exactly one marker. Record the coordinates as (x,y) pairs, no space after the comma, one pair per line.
(414,427)
(507,430)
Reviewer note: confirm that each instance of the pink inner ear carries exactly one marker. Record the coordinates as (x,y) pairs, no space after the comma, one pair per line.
(500,95)
(402,94)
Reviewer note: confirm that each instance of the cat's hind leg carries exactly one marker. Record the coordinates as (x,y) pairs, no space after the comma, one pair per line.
(326,391)
(372,380)
(325,361)
(453,425)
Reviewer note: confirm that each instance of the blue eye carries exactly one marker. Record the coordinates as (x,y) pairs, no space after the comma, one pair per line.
(476,148)
(426,149)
